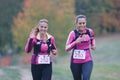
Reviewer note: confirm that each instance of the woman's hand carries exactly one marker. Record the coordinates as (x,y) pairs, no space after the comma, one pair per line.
(79,39)
(54,52)
(32,33)
(93,47)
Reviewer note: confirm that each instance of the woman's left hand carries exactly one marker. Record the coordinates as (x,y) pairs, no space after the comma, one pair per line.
(54,51)
(93,47)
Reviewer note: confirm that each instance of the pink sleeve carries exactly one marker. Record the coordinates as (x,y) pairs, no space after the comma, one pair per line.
(70,41)
(53,43)
(29,45)
(92,37)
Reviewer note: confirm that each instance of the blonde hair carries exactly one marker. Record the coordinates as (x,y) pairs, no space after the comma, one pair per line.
(36,30)
(43,20)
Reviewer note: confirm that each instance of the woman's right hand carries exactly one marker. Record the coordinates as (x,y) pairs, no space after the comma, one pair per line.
(78,40)
(32,34)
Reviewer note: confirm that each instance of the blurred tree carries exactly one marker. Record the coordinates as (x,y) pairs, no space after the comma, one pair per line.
(8,8)
(112,18)
(103,17)
(101,14)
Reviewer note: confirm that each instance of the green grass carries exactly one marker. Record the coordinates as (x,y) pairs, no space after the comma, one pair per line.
(61,71)
(106,72)
(9,74)
(106,61)
(107,53)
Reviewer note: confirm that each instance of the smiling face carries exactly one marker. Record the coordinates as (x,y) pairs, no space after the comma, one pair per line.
(81,24)
(43,27)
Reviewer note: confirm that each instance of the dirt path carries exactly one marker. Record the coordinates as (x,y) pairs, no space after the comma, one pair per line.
(1,72)
(25,74)
(109,37)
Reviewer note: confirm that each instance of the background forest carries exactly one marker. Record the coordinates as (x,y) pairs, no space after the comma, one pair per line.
(18,17)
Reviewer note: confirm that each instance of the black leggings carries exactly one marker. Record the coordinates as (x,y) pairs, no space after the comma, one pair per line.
(41,71)
(81,71)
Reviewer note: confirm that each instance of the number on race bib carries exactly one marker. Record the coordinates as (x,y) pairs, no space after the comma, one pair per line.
(79,54)
(43,59)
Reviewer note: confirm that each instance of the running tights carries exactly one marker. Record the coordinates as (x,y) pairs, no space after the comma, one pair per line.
(41,71)
(81,71)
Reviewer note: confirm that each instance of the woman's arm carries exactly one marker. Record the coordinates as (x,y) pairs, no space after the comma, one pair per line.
(29,45)
(54,49)
(31,40)
(93,46)
(70,41)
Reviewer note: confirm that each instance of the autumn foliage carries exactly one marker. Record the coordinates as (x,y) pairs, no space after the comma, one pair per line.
(60,15)
(18,17)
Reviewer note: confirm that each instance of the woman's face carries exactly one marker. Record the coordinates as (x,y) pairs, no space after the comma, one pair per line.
(43,27)
(81,24)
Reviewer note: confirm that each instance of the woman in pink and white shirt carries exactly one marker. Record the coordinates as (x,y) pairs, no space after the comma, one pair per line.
(43,44)
(80,41)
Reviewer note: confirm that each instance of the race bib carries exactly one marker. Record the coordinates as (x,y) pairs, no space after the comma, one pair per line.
(79,54)
(43,59)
